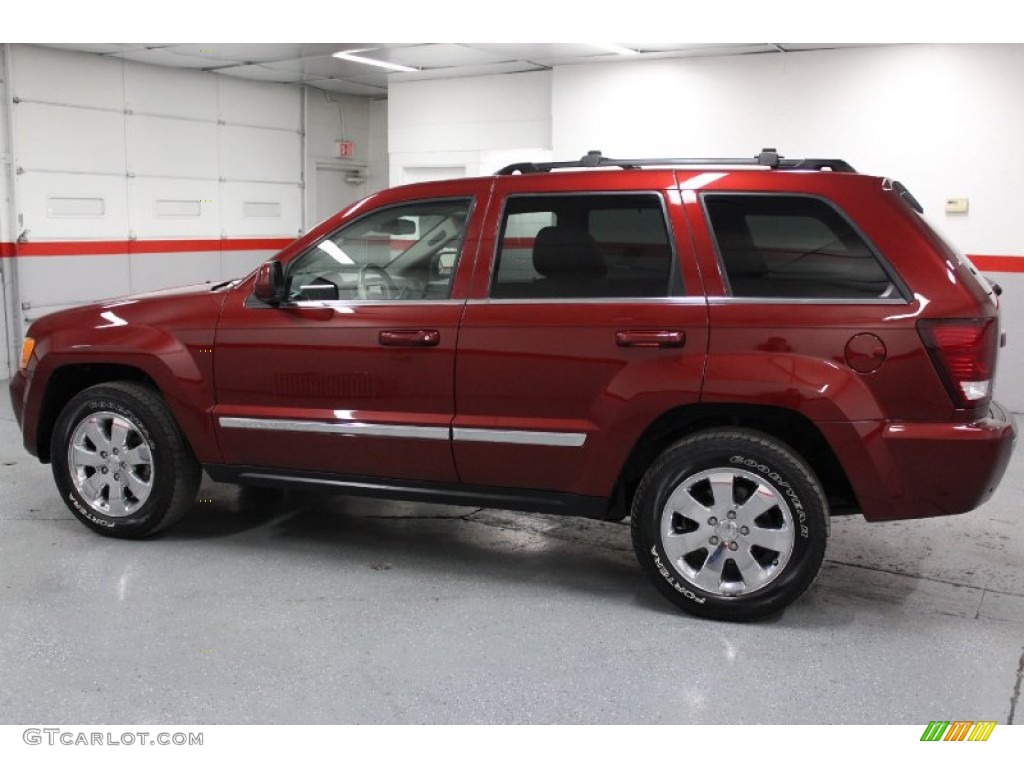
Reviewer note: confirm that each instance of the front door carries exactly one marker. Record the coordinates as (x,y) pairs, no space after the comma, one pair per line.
(353,375)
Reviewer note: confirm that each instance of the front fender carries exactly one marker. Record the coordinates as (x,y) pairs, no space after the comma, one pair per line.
(170,342)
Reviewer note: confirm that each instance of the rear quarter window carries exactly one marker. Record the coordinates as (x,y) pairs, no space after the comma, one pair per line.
(791,246)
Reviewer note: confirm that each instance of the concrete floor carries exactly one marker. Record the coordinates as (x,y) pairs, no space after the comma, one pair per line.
(333,610)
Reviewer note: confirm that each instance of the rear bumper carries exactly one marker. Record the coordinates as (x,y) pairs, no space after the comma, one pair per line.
(902,470)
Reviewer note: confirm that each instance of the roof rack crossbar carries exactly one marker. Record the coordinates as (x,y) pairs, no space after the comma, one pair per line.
(768,157)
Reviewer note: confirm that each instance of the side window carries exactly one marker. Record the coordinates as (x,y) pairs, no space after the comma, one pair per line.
(405,252)
(778,246)
(583,246)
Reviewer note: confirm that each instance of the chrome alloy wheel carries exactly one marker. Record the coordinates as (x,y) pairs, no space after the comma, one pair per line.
(111,464)
(727,531)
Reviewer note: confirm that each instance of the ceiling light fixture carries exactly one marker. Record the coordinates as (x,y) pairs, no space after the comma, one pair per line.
(351,56)
(615,48)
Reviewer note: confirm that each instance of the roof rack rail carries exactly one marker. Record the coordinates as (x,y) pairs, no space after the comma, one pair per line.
(768,157)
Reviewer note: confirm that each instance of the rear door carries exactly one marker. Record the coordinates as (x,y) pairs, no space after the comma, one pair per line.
(588,324)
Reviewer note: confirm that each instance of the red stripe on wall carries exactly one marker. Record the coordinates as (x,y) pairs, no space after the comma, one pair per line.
(998,263)
(108,247)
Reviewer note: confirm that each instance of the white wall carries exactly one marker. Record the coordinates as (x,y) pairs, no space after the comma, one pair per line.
(332,117)
(379,170)
(467,126)
(115,157)
(124,154)
(946,120)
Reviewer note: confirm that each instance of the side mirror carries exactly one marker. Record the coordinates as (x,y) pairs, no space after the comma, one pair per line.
(269,286)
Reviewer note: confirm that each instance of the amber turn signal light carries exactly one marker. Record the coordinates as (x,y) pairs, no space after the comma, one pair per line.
(26,352)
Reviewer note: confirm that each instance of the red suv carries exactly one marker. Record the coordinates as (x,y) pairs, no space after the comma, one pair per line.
(728,350)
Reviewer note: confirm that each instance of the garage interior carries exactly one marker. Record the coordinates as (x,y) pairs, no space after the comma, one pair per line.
(134,167)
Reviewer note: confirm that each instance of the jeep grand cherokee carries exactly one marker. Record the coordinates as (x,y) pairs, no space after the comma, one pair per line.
(728,350)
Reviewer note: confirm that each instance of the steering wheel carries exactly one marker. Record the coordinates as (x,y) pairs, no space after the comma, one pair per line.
(386,282)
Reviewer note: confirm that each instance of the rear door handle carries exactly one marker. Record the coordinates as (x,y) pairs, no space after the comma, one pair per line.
(650,338)
(409,338)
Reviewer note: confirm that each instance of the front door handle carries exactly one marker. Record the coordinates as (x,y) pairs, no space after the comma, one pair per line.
(650,338)
(410,338)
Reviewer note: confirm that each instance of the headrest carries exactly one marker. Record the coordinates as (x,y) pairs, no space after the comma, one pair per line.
(561,251)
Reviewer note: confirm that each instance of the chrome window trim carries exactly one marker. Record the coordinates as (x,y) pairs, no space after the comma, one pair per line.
(674,287)
(518,437)
(365,429)
(331,303)
(875,251)
(685,300)
(714,300)
(470,199)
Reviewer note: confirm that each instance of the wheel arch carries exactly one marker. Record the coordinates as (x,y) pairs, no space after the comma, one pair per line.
(66,382)
(788,426)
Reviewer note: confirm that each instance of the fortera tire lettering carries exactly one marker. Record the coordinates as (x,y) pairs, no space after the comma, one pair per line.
(675,584)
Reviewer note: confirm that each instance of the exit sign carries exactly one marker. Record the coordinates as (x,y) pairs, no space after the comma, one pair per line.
(345,149)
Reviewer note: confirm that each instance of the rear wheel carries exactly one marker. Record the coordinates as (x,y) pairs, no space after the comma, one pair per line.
(120,462)
(730,524)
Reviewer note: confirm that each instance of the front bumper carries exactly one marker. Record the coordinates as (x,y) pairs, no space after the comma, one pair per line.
(17,388)
(902,470)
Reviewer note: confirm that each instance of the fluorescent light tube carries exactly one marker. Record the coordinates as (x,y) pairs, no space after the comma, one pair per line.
(351,56)
(613,48)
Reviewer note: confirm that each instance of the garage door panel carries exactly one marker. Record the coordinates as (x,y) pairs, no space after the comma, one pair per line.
(266,104)
(47,282)
(70,78)
(166,91)
(169,208)
(58,206)
(69,139)
(160,146)
(260,154)
(154,271)
(250,209)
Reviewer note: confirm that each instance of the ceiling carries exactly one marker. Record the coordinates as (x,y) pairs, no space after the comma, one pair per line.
(312,63)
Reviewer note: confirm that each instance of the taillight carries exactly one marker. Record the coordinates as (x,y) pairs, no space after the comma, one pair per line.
(964,352)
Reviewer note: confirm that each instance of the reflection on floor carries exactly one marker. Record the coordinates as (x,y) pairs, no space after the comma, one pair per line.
(271,607)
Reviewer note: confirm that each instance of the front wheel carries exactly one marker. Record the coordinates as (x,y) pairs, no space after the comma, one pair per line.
(120,462)
(730,524)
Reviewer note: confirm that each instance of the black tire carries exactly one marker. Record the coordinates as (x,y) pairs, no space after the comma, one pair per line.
(756,559)
(144,480)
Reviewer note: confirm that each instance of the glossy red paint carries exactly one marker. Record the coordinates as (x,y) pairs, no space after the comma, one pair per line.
(340,364)
(166,337)
(323,365)
(516,382)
